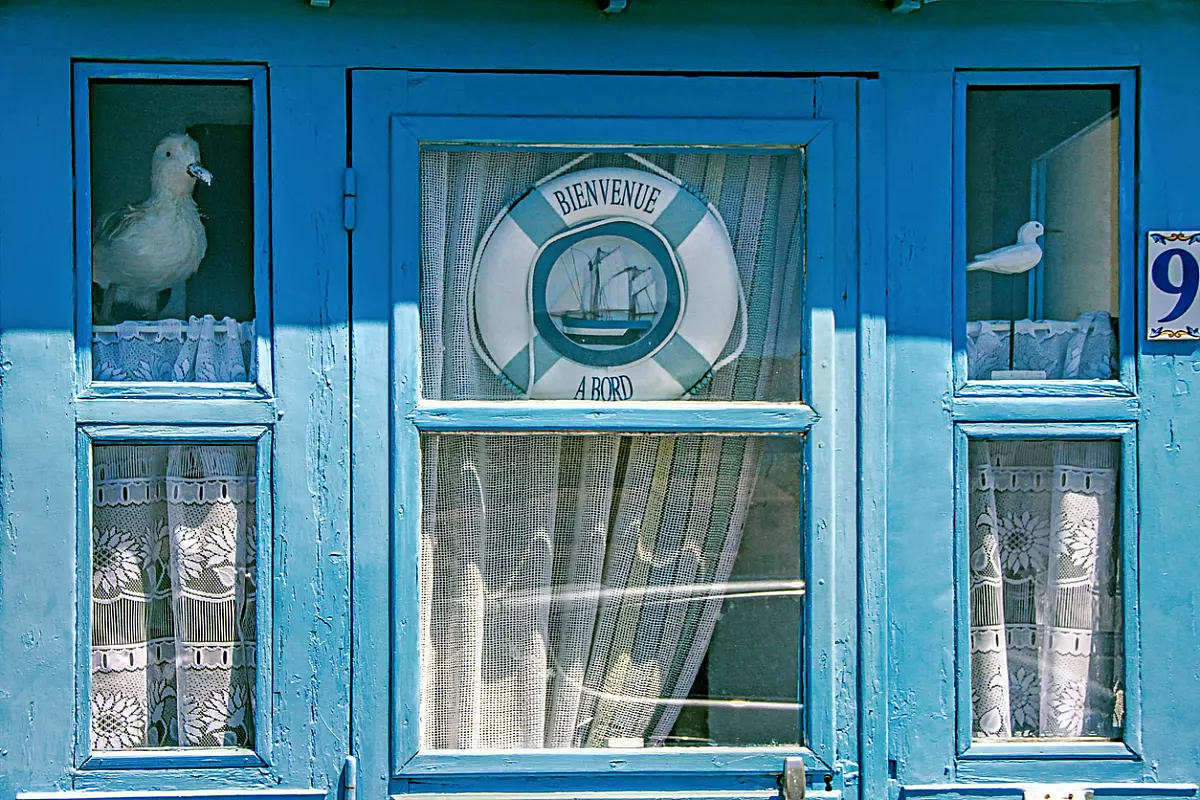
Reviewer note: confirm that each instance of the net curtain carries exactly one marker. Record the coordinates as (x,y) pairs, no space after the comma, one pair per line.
(173,596)
(1044,589)
(1080,349)
(202,349)
(545,559)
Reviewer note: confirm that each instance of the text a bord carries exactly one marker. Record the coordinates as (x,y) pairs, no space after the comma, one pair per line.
(605,388)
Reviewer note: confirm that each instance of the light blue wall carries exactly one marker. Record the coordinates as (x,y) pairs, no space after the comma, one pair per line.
(907,117)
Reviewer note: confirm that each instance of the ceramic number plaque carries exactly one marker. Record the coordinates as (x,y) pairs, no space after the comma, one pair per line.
(1172,281)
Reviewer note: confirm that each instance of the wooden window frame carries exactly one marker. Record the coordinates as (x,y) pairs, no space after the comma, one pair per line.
(402,114)
(1125,81)
(147,413)
(255,77)
(1050,409)
(157,758)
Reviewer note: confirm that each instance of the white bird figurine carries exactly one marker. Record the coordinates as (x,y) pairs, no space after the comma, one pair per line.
(157,244)
(1015,258)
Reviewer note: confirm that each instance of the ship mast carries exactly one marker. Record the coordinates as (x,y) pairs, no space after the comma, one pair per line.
(593,306)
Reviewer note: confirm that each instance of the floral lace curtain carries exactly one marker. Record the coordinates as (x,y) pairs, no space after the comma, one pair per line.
(1084,348)
(1045,595)
(173,596)
(545,560)
(202,349)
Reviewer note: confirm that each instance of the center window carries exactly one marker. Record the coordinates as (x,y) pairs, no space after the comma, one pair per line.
(628,588)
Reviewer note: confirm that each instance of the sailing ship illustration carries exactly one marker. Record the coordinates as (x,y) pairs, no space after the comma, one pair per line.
(614,300)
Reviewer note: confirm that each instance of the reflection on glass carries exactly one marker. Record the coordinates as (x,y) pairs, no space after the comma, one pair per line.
(609,591)
(1042,232)
(173,231)
(1045,590)
(173,596)
(611,276)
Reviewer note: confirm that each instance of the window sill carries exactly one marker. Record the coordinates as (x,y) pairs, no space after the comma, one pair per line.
(1049,750)
(761,761)
(173,758)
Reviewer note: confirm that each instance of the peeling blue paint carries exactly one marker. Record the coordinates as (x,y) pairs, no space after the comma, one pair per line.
(890,666)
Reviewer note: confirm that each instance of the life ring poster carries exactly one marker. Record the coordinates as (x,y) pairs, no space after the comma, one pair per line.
(605,285)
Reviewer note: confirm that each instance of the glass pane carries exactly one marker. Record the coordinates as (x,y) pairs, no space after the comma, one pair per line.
(1042,232)
(1046,607)
(173,596)
(610,591)
(173,231)
(611,276)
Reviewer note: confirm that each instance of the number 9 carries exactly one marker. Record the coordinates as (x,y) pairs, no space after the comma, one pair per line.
(1160,274)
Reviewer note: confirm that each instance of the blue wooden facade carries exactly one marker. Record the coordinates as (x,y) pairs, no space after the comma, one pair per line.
(876,98)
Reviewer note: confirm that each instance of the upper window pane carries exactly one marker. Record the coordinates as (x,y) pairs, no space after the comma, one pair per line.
(173,230)
(611,276)
(1042,234)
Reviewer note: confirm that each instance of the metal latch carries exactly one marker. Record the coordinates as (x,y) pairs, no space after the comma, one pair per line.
(349,199)
(1057,791)
(793,782)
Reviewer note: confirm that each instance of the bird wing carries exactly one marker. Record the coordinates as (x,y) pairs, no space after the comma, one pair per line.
(1010,260)
(113,225)
(999,251)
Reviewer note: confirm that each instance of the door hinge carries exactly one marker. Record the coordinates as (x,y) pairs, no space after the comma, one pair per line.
(792,781)
(350,778)
(349,199)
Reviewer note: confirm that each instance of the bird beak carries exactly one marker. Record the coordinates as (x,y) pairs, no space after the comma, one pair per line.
(197,171)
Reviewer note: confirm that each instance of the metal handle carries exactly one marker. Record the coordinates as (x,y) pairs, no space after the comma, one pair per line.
(793,781)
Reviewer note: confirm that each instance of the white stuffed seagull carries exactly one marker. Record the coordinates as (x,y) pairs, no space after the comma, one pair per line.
(144,249)
(1015,258)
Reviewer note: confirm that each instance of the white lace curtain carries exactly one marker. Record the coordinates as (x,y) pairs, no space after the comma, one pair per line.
(1045,599)
(1084,348)
(201,349)
(173,596)
(547,561)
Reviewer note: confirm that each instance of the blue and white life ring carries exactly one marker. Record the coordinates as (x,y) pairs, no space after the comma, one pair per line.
(605,284)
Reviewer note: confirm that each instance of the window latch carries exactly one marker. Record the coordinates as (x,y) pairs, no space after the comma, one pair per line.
(350,778)
(793,781)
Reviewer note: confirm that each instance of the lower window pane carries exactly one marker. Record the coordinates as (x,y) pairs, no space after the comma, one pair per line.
(1046,608)
(611,591)
(173,596)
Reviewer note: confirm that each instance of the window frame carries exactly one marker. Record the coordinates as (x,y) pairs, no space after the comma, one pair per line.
(109,412)
(395,125)
(1125,382)
(87,437)
(255,77)
(1050,409)
(1128,747)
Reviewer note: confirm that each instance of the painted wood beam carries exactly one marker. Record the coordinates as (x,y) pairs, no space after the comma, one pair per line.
(906,6)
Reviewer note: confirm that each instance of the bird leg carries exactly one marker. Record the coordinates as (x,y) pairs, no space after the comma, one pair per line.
(1012,325)
(107,297)
(164,297)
